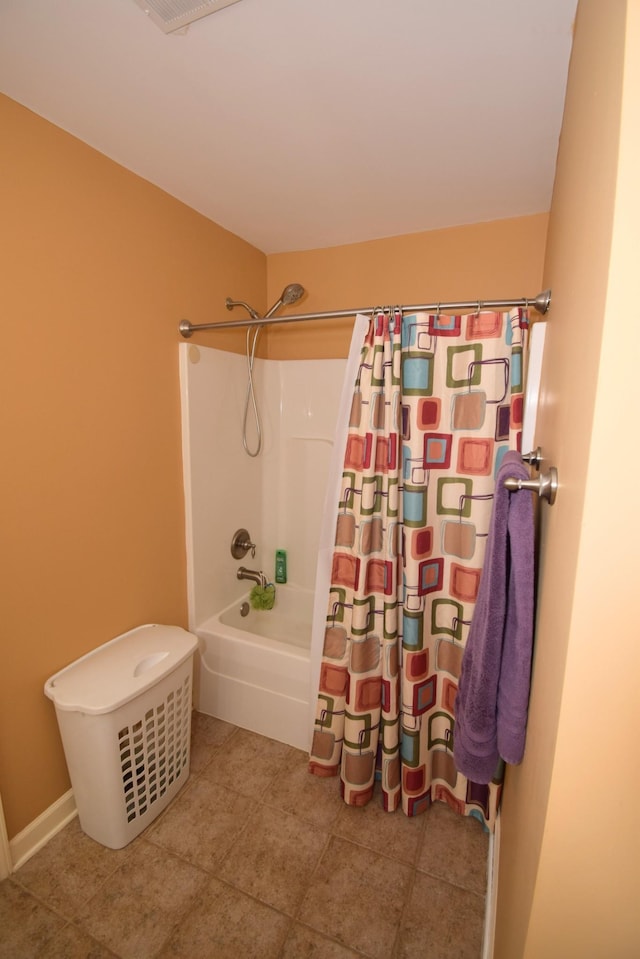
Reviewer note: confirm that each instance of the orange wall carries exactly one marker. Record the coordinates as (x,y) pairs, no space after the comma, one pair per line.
(569,876)
(101,266)
(98,268)
(493,260)
(588,877)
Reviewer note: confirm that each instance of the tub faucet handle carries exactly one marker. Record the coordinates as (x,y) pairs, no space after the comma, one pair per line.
(241,544)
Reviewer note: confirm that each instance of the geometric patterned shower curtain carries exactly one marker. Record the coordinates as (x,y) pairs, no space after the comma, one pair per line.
(437,403)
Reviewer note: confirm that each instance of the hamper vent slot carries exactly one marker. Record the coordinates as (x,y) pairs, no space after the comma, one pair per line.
(154,770)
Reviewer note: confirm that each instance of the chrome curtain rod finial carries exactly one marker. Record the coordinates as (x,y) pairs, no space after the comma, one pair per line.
(186,328)
(542,302)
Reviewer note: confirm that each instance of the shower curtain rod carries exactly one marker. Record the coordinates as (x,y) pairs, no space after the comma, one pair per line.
(540,303)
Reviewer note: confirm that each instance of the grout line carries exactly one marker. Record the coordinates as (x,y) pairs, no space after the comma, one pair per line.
(330,938)
(77,909)
(397,943)
(40,900)
(195,902)
(450,882)
(311,878)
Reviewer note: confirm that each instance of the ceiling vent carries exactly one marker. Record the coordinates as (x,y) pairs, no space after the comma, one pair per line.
(173,15)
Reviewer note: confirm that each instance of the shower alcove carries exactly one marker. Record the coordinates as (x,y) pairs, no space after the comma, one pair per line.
(255,677)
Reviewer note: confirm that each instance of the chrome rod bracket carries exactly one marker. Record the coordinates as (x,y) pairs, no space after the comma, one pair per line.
(546,485)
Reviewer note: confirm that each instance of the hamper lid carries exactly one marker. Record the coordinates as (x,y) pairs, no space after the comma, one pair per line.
(121,669)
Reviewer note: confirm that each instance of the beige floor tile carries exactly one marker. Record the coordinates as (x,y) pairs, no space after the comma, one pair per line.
(255,858)
(202,823)
(248,764)
(441,922)
(227,924)
(207,734)
(274,858)
(73,943)
(455,848)
(313,798)
(357,896)
(391,833)
(137,907)
(26,925)
(69,869)
(305,943)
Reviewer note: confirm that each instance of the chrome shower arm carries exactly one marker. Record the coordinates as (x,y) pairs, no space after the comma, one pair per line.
(231,303)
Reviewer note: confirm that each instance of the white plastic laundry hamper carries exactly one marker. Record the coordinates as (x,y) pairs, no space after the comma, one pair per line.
(124,712)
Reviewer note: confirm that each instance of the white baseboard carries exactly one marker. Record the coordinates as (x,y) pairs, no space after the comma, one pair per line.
(34,836)
(5,855)
(492,892)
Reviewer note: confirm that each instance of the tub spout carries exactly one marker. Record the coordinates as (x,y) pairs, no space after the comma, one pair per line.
(257,576)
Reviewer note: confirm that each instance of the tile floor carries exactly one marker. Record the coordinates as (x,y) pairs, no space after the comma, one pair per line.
(255,859)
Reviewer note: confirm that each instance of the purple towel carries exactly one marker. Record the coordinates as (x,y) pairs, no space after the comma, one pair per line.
(493,694)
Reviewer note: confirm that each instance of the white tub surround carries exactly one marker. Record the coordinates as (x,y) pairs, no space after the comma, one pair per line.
(255,680)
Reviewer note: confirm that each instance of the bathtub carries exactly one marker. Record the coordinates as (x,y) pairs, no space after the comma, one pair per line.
(253,670)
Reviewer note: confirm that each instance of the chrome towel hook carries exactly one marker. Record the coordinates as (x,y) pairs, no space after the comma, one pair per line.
(534,458)
(546,485)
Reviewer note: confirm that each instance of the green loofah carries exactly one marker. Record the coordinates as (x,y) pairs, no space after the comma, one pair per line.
(263,597)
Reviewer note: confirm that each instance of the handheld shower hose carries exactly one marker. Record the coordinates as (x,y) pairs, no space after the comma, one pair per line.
(251,396)
(290,294)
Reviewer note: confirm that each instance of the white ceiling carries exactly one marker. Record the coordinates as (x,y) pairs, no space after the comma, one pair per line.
(299,124)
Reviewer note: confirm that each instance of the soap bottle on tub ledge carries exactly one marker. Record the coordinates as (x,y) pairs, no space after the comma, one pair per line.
(281,566)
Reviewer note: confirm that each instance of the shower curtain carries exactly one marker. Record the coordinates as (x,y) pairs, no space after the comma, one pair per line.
(438,401)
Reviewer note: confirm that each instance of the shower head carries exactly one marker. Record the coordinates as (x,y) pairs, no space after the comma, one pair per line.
(290,294)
